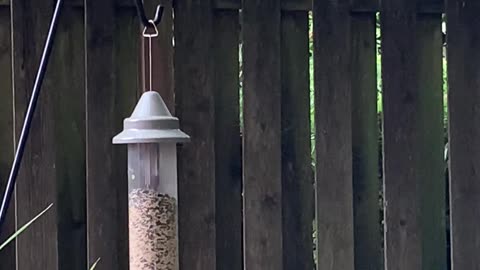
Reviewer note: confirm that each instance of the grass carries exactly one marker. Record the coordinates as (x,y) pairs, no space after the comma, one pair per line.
(23,228)
(26,226)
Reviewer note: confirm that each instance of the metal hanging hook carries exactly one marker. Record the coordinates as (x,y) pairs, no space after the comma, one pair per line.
(143,18)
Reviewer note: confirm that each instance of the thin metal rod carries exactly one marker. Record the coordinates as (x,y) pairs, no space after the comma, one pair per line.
(150,62)
(30,113)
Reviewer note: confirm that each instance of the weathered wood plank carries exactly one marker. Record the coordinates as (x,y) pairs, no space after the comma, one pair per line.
(125,97)
(262,135)
(365,134)
(119,3)
(367,5)
(36,185)
(297,171)
(194,93)
(7,256)
(68,75)
(431,151)
(333,135)
(431,6)
(103,226)
(464,97)
(423,6)
(413,138)
(111,61)
(287,5)
(403,245)
(227,4)
(228,157)
(297,5)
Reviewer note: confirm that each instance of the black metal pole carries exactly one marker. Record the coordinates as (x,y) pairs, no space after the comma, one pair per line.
(30,113)
(143,18)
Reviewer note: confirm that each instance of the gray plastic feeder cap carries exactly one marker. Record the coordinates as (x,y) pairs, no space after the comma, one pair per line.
(151,122)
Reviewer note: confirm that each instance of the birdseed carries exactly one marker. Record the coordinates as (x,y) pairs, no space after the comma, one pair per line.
(152,230)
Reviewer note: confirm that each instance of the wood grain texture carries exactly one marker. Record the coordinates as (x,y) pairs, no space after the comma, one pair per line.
(297,171)
(228,156)
(262,135)
(423,6)
(68,74)
(464,97)
(7,256)
(194,90)
(403,244)
(333,119)
(431,149)
(111,59)
(366,5)
(297,5)
(431,6)
(365,135)
(413,138)
(36,184)
(227,4)
(286,5)
(80,3)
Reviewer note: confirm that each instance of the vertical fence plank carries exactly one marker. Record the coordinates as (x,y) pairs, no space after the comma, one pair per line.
(36,186)
(400,99)
(127,63)
(431,150)
(195,107)
(68,74)
(413,137)
(103,226)
(262,135)
(228,157)
(365,134)
(7,256)
(297,171)
(464,97)
(111,49)
(333,135)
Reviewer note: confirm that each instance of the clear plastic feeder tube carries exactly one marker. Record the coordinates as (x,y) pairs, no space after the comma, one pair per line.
(152,188)
(152,134)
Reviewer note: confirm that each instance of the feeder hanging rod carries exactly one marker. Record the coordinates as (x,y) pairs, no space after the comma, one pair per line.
(30,113)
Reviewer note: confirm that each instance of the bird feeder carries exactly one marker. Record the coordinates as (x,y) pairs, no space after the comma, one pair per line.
(152,134)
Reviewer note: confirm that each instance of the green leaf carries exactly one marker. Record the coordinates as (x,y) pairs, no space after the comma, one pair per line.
(22,229)
(95,264)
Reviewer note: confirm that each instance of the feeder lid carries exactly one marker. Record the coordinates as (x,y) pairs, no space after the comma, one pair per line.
(151,122)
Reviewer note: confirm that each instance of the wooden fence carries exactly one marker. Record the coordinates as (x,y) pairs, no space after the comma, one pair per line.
(248,202)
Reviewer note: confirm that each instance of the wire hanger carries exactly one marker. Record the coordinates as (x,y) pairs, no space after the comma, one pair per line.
(143,18)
